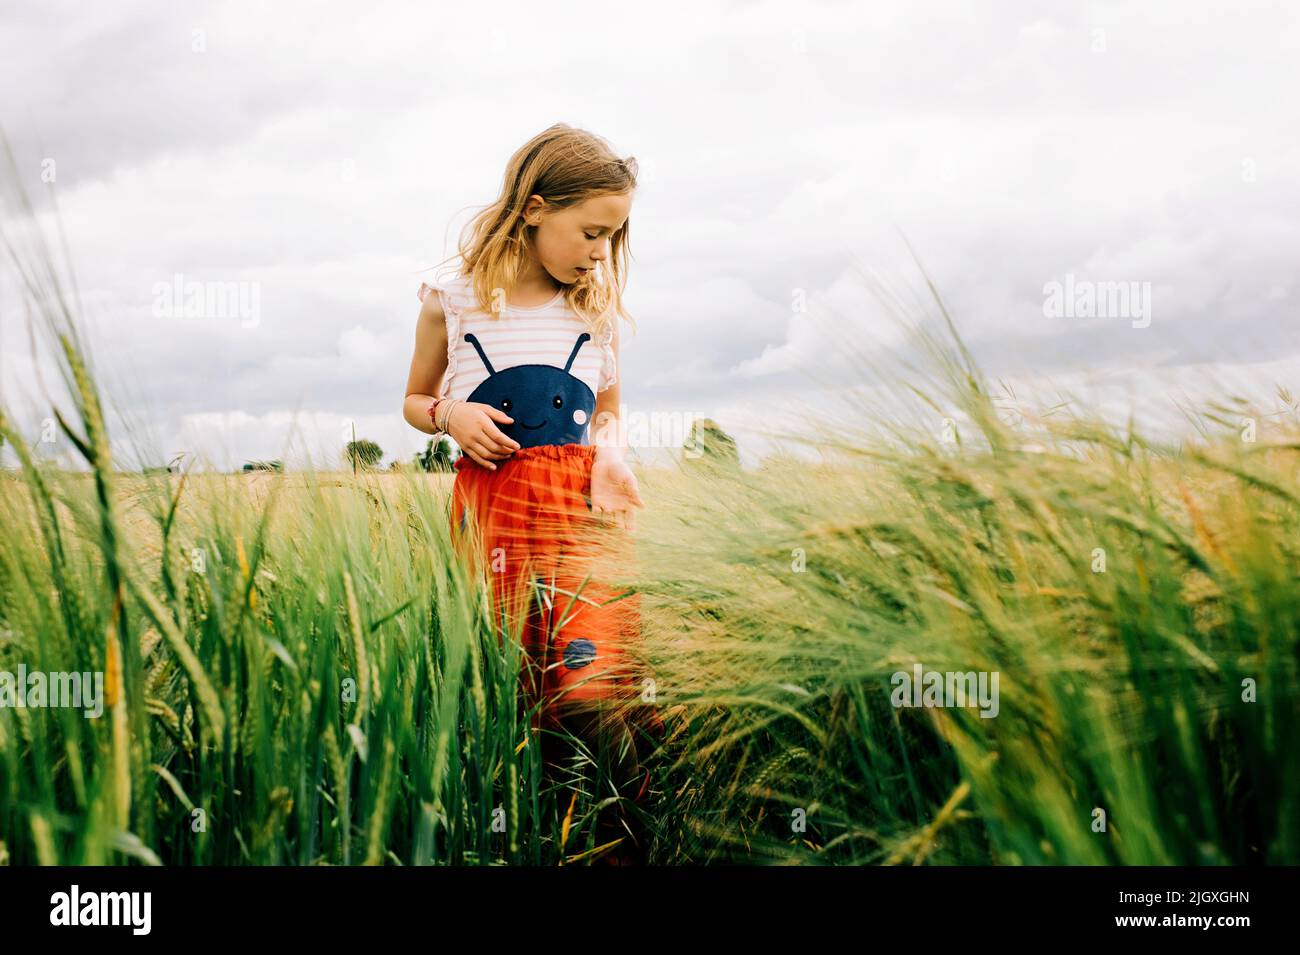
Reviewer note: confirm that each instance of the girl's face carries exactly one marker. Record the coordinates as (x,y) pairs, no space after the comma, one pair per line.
(567,241)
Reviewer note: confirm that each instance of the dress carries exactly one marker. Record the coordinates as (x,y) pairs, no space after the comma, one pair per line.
(528,524)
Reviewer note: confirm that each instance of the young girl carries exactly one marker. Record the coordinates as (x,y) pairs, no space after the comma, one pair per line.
(526,334)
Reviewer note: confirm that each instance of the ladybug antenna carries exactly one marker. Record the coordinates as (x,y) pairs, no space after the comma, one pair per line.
(573,354)
(473,340)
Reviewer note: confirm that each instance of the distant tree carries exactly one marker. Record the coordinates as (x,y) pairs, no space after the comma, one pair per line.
(364,453)
(708,443)
(435,457)
(264,466)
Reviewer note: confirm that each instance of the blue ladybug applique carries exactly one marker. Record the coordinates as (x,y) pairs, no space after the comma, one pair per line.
(549,405)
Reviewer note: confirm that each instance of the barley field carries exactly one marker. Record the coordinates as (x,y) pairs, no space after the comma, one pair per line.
(297,671)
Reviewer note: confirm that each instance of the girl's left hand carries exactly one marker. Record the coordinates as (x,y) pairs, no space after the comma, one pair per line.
(614,492)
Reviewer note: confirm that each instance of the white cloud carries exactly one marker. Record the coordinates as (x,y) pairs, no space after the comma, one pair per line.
(330,153)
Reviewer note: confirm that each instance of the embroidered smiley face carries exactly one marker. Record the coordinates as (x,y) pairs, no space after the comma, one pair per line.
(548,403)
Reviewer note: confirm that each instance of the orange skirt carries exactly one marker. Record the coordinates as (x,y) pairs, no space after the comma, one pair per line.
(529,526)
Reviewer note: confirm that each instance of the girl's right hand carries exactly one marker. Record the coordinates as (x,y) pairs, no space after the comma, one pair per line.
(472,426)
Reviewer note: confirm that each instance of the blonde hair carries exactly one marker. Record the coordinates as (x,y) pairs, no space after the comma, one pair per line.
(565,166)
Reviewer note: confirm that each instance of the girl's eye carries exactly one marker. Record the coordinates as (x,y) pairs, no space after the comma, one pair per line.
(592,236)
(506,404)
(558,401)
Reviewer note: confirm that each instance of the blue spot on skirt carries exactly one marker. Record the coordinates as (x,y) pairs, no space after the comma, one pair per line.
(579,653)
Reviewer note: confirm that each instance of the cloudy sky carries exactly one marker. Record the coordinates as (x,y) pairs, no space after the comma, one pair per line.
(326,156)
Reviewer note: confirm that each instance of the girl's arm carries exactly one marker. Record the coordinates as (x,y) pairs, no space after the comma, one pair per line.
(472,425)
(428,365)
(607,430)
(614,492)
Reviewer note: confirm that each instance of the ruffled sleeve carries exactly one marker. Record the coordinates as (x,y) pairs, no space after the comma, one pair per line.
(608,364)
(452,312)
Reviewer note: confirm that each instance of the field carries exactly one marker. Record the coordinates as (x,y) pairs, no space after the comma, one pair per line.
(296,670)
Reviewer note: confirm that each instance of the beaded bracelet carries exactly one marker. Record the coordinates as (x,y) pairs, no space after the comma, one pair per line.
(446,415)
(433,414)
